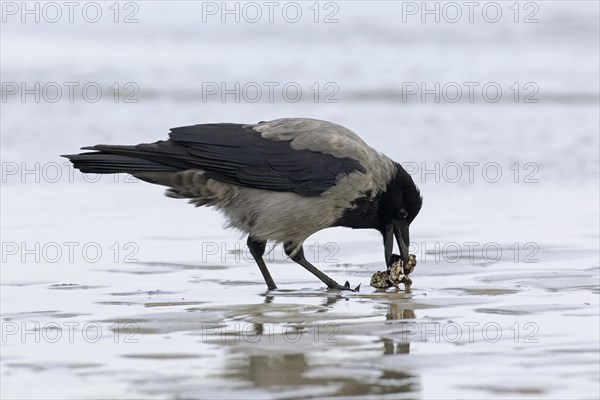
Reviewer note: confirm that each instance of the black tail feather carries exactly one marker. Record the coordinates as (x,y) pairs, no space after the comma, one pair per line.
(115,160)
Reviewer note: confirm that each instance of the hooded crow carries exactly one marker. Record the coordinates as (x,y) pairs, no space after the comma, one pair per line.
(280,180)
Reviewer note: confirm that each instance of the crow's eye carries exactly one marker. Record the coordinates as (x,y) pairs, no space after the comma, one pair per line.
(402,214)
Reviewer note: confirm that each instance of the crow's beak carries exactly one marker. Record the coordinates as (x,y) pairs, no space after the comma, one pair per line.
(388,244)
(402,238)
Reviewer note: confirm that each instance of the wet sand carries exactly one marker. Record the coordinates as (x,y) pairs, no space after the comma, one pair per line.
(192,329)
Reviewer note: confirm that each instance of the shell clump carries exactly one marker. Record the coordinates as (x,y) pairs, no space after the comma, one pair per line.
(396,273)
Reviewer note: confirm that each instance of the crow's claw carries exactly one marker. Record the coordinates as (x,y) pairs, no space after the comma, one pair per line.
(346,287)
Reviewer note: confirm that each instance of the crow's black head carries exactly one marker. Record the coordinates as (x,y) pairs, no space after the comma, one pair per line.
(398,207)
(402,199)
(390,212)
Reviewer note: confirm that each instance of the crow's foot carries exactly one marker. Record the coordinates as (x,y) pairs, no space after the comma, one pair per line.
(345,287)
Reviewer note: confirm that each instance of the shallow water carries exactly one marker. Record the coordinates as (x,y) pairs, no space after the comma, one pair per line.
(110,290)
(172,325)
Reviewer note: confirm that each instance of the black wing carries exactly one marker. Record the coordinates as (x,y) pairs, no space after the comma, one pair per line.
(235,153)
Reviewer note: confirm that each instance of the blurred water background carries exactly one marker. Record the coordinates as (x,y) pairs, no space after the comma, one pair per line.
(518,169)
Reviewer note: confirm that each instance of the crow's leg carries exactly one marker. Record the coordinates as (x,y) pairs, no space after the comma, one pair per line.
(299,258)
(257,249)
